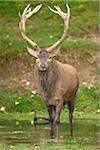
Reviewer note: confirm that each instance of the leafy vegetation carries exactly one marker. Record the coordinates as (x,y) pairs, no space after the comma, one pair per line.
(87,100)
(14,102)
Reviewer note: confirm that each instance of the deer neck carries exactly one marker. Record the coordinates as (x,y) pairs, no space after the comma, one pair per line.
(48,79)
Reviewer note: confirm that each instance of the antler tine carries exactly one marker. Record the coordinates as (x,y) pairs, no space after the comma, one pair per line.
(26,9)
(36,9)
(68,9)
(27,13)
(54,11)
(57,8)
(19,14)
(65,17)
(29,10)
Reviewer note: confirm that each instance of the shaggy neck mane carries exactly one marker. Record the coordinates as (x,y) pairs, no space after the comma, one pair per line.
(48,79)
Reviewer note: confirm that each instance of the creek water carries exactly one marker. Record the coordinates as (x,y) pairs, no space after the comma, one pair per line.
(14,132)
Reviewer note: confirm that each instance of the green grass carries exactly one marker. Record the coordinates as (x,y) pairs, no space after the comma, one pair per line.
(82,49)
(88,98)
(64,115)
(26,101)
(16,147)
(71,144)
(14,101)
(79,47)
(83,24)
(17,116)
(48,145)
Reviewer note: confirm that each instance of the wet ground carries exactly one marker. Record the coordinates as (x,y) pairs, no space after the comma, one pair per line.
(13,132)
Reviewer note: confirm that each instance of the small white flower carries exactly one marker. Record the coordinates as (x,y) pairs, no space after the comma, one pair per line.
(7,36)
(98,111)
(61,137)
(2,109)
(16,103)
(90,86)
(17,123)
(32,122)
(27,83)
(10,43)
(20,97)
(11,147)
(34,92)
(32,96)
(50,36)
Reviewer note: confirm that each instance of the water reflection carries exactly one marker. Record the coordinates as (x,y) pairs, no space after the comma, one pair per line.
(24,132)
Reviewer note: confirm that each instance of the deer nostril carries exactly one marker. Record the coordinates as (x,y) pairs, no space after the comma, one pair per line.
(42,65)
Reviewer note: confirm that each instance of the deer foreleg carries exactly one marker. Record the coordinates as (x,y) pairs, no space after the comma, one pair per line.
(51,111)
(56,121)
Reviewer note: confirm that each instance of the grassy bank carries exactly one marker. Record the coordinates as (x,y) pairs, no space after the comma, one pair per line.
(46,28)
(15,101)
(28,117)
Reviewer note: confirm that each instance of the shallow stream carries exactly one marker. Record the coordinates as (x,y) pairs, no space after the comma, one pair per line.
(13,132)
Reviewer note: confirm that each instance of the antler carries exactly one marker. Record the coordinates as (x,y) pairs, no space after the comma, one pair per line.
(27,13)
(65,17)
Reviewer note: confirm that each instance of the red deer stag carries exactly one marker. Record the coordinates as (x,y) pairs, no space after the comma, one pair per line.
(56,82)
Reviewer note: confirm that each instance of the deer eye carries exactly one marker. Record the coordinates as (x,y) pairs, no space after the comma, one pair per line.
(50,57)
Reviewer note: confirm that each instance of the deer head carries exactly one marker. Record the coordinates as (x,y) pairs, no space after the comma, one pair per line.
(43,56)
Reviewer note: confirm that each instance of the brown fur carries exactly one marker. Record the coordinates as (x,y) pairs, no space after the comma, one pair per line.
(48,79)
(58,86)
(58,81)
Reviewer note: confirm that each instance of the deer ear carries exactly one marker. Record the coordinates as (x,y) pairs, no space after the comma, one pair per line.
(32,52)
(55,51)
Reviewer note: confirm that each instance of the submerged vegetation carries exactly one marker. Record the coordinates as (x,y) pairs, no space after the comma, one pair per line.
(17,129)
(49,145)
